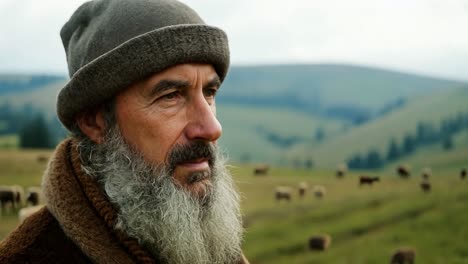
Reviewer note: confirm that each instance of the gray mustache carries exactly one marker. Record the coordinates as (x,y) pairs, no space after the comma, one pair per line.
(191,151)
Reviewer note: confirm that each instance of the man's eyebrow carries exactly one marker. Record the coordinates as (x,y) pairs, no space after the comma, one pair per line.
(163,85)
(215,82)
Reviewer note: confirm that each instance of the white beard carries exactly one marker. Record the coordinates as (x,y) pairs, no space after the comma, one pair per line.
(165,218)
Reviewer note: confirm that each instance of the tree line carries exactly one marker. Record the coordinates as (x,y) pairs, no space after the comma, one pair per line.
(31,125)
(425,134)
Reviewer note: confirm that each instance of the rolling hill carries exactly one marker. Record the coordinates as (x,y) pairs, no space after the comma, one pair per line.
(274,113)
(314,88)
(319,87)
(431,108)
(252,134)
(22,83)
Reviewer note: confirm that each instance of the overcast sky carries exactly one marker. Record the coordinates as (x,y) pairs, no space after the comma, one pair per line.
(420,36)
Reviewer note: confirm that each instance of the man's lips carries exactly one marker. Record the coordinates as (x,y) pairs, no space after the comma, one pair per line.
(198,170)
(197,164)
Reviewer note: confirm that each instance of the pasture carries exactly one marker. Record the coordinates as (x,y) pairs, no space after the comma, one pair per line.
(366,223)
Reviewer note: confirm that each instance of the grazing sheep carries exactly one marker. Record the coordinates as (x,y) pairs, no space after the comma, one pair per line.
(42,159)
(425,186)
(367,180)
(426,173)
(319,191)
(19,195)
(34,196)
(321,242)
(283,193)
(302,189)
(403,256)
(404,171)
(463,174)
(341,170)
(8,195)
(261,170)
(23,213)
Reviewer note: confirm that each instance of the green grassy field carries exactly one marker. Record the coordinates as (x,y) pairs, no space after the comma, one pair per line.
(366,223)
(19,168)
(9,141)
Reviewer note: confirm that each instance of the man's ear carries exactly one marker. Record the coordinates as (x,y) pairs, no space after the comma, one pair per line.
(93,125)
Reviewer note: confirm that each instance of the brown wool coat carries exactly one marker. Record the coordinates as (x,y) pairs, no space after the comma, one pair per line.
(76,226)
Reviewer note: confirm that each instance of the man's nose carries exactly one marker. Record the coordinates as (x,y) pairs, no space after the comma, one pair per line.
(202,123)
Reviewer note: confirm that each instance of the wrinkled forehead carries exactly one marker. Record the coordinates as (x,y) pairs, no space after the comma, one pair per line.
(178,76)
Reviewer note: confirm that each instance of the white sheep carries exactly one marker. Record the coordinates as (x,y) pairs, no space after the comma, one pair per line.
(319,191)
(23,213)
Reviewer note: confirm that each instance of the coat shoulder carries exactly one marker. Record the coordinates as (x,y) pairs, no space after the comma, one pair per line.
(40,239)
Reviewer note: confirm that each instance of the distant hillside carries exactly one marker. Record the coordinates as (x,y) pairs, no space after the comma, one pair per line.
(18,83)
(253,134)
(288,114)
(324,87)
(377,134)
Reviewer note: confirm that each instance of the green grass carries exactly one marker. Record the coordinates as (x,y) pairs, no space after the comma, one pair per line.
(22,167)
(19,167)
(9,142)
(366,223)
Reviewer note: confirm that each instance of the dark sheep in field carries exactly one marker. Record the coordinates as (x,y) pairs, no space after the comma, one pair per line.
(403,256)
(8,196)
(302,189)
(425,186)
(261,170)
(42,159)
(367,180)
(19,195)
(321,242)
(403,171)
(283,193)
(13,195)
(34,196)
(463,174)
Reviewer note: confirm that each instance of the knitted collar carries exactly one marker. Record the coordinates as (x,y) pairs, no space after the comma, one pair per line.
(84,213)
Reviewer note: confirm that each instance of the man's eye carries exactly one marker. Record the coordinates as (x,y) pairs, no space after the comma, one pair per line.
(210,92)
(170,96)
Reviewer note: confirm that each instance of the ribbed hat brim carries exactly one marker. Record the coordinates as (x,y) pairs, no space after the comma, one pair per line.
(137,58)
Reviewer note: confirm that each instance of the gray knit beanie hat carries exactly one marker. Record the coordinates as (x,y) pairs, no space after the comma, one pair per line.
(111,44)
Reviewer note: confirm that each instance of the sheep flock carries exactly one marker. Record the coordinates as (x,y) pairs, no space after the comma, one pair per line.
(318,191)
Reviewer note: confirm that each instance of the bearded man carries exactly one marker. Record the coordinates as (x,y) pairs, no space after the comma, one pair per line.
(141,179)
